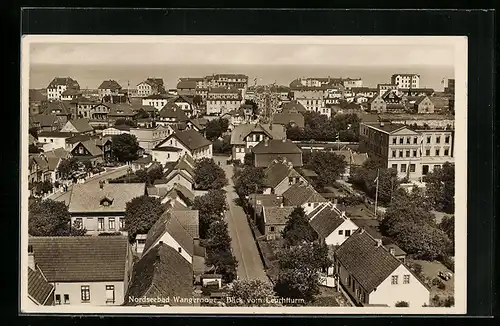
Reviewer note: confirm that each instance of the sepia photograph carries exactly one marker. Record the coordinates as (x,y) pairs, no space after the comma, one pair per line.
(243,174)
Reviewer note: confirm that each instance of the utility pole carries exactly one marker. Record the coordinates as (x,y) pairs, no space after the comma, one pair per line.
(376,193)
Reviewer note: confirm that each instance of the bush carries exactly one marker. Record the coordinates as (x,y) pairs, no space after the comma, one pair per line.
(441,286)
(402,304)
(448,262)
(437,282)
(449,302)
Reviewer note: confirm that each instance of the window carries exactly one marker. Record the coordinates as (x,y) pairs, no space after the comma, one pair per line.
(447,139)
(272,228)
(122,223)
(403,168)
(400,140)
(446,152)
(407,153)
(112,225)
(58,299)
(437,152)
(406,279)
(394,279)
(85,293)
(408,140)
(394,166)
(179,249)
(308,204)
(438,139)
(341,232)
(412,167)
(427,152)
(414,153)
(393,153)
(428,139)
(415,140)
(347,233)
(100,223)
(66,299)
(110,294)
(400,153)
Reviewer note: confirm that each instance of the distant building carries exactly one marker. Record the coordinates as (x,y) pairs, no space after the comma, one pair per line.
(384,88)
(148,138)
(109,88)
(420,104)
(186,88)
(177,144)
(150,86)
(377,104)
(245,136)
(78,126)
(60,84)
(292,119)
(270,149)
(158,101)
(303,195)
(222,100)
(406,80)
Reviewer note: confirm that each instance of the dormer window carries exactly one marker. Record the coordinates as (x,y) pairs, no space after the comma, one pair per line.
(106,201)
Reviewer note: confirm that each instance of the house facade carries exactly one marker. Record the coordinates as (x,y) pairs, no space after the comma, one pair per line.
(223,100)
(148,138)
(60,84)
(406,80)
(274,221)
(331,224)
(180,143)
(109,88)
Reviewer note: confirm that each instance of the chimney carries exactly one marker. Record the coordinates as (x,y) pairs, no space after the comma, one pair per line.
(101,185)
(281,204)
(31,257)
(379,242)
(335,201)
(392,251)
(266,142)
(381,123)
(362,231)
(284,139)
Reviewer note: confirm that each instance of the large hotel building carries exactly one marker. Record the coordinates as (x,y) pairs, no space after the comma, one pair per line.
(412,152)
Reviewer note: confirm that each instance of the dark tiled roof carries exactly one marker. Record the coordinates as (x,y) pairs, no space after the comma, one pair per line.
(183,192)
(87,197)
(161,272)
(69,82)
(82,125)
(187,84)
(387,127)
(189,219)
(327,220)
(45,120)
(293,106)
(299,194)
(58,107)
(276,172)
(277,215)
(190,138)
(289,117)
(397,251)
(241,131)
(87,259)
(367,262)
(54,134)
(121,110)
(38,287)
(110,84)
(276,146)
(91,146)
(167,149)
(172,111)
(36,96)
(264,200)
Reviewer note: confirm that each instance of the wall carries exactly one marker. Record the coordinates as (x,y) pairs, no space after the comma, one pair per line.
(414,293)
(335,239)
(238,155)
(52,143)
(171,242)
(285,185)
(179,179)
(163,157)
(276,234)
(90,222)
(309,207)
(97,292)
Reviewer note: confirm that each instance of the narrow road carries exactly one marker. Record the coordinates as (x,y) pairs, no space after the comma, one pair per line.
(242,241)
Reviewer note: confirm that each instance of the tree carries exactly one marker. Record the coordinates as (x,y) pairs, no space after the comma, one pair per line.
(141,114)
(253,293)
(402,304)
(328,166)
(48,218)
(248,159)
(294,132)
(125,147)
(216,128)
(223,146)
(141,213)
(299,275)
(447,225)
(128,122)
(440,187)
(33,149)
(211,207)
(249,180)
(255,107)
(224,263)
(218,236)
(197,100)
(208,175)
(67,167)
(297,229)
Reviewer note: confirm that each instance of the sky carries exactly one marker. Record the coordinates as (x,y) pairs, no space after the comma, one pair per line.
(242,53)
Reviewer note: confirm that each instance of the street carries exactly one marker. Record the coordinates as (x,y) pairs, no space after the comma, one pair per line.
(243,244)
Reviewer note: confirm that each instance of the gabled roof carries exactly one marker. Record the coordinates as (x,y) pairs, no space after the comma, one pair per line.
(189,219)
(84,259)
(68,81)
(293,106)
(386,127)
(241,131)
(187,84)
(38,287)
(277,171)
(285,118)
(91,146)
(264,200)
(58,108)
(420,99)
(45,120)
(351,157)
(81,125)
(87,197)
(367,262)
(110,84)
(299,194)
(121,110)
(71,92)
(168,223)
(36,96)
(326,220)
(199,123)
(190,138)
(161,272)
(276,146)
(373,98)
(181,191)
(277,215)
(172,111)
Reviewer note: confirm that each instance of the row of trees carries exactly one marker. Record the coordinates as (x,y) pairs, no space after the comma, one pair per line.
(327,165)
(216,128)
(339,127)
(51,218)
(209,175)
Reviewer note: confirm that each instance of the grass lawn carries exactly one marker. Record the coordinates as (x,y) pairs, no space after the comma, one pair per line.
(430,269)
(329,297)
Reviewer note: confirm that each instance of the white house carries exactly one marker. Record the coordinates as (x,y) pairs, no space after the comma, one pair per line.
(371,275)
(60,84)
(279,176)
(53,139)
(180,143)
(332,225)
(303,195)
(157,101)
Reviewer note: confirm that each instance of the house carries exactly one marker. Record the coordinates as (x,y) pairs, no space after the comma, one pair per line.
(150,86)
(83,270)
(54,158)
(53,139)
(371,275)
(121,111)
(185,103)
(406,80)
(198,124)
(98,114)
(268,150)
(385,88)
(180,143)
(396,252)
(169,230)
(377,104)
(294,119)
(116,130)
(70,94)
(274,221)
(87,150)
(245,136)
(45,122)
(171,113)
(331,224)
(417,91)
(78,126)
(257,202)
(101,208)
(421,104)
(279,176)
(58,85)
(364,91)
(187,87)
(108,88)
(158,101)
(40,291)
(37,101)
(293,107)
(221,100)
(38,169)
(303,195)
(148,138)
(82,106)
(162,277)
(177,193)
(60,109)
(176,177)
